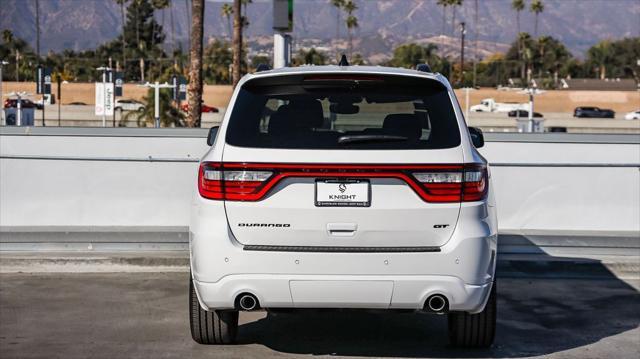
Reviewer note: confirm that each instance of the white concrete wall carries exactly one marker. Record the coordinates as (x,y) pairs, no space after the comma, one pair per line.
(121,187)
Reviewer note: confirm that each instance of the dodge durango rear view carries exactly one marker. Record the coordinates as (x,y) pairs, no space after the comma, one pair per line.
(344,187)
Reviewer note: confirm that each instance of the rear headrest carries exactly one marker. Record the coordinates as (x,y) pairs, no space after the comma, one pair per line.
(279,121)
(403,124)
(306,113)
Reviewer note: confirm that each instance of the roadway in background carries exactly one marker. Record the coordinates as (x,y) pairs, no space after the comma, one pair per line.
(83,116)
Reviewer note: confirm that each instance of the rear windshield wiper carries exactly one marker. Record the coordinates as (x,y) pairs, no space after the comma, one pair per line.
(370,138)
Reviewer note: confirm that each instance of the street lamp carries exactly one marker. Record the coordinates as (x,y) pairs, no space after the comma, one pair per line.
(532,91)
(156,109)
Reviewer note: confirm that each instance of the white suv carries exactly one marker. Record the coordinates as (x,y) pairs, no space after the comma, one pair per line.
(344,187)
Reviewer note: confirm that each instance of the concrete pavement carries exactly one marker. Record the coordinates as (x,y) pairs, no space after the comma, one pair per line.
(144,315)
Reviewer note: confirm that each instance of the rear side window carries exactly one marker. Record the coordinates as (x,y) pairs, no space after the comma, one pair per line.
(343,112)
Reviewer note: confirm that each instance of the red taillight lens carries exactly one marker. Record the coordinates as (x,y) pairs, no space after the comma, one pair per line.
(214,182)
(475,184)
(433,183)
(467,184)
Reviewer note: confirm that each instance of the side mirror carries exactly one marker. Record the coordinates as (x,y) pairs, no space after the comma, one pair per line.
(476,137)
(211,137)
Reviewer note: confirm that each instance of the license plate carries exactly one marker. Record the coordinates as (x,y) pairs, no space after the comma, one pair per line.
(342,193)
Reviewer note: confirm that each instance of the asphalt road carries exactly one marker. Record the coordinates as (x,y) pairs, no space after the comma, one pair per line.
(144,315)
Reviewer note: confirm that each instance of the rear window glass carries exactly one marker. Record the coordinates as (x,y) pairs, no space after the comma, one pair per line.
(343,112)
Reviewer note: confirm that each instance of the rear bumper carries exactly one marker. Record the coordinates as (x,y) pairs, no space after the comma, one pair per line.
(462,270)
(342,291)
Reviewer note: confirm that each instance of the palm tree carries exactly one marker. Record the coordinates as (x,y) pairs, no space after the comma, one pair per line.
(226,11)
(454,5)
(245,13)
(124,39)
(195,70)
(444,4)
(536,7)
(351,21)
(518,6)
(338,4)
(237,40)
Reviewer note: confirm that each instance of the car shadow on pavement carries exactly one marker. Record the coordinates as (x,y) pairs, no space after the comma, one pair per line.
(544,307)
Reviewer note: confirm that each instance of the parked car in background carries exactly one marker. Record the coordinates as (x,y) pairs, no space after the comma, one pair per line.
(129,105)
(203,108)
(490,105)
(593,112)
(523,113)
(24,103)
(633,115)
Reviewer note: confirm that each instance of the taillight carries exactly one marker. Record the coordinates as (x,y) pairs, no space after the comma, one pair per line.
(467,184)
(433,183)
(214,182)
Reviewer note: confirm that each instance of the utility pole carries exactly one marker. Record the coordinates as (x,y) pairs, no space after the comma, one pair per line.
(156,109)
(2,63)
(462,33)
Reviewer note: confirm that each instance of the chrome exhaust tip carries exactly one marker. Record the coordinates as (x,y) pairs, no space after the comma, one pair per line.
(247,302)
(437,303)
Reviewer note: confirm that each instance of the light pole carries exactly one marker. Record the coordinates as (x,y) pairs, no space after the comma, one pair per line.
(2,63)
(104,70)
(156,86)
(531,91)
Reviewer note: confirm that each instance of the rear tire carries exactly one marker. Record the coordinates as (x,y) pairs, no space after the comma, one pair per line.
(211,327)
(474,330)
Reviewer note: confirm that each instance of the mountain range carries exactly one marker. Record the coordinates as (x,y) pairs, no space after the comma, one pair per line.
(579,24)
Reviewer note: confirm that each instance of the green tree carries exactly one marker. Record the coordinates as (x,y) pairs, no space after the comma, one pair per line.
(216,62)
(600,55)
(624,62)
(537,7)
(311,57)
(148,35)
(23,56)
(546,55)
(410,55)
